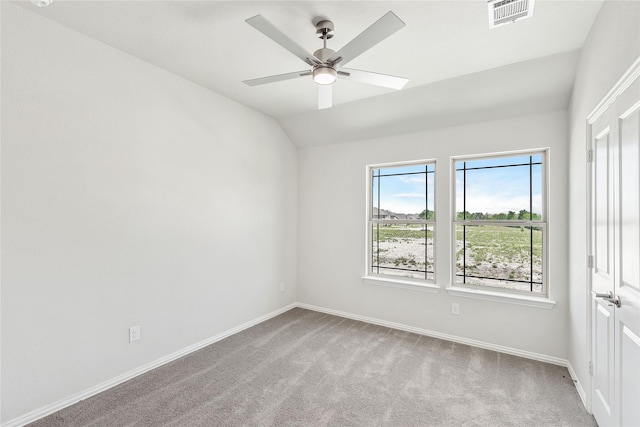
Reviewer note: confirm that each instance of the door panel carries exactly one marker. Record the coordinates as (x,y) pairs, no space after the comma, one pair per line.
(603,378)
(630,199)
(629,377)
(602,178)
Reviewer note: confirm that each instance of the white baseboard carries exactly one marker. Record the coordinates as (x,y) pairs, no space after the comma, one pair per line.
(579,388)
(447,337)
(50,409)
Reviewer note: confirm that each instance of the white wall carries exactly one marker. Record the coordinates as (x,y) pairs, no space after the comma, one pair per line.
(331,234)
(129,196)
(611,47)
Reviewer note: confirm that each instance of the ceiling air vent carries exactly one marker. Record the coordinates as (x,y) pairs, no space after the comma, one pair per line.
(506,11)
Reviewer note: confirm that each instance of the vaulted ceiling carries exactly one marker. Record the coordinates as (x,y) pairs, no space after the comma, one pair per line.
(459,68)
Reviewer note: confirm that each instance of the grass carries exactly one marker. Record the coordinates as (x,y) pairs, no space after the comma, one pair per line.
(494,243)
(502,253)
(397,233)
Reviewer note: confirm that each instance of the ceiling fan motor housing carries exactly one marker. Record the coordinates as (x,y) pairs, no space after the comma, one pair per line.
(323,54)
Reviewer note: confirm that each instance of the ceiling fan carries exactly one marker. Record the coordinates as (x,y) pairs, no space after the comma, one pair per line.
(327,65)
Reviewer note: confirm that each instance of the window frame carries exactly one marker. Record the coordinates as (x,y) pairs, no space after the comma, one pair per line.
(542,223)
(397,280)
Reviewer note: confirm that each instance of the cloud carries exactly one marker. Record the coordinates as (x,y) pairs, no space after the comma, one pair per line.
(499,191)
(413,179)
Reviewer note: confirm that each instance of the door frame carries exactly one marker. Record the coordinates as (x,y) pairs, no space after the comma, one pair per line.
(627,79)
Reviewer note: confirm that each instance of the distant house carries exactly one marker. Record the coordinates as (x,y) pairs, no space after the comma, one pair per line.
(384,214)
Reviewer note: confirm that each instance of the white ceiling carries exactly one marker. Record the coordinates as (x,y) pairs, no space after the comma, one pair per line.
(446,45)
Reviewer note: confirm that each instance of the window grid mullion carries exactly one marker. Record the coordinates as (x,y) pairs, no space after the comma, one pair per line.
(426,215)
(464,227)
(378,227)
(531,219)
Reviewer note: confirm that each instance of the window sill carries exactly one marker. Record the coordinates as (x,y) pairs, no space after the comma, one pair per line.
(399,283)
(501,297)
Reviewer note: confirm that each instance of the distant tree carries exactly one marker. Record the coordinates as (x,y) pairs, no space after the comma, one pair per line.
(427,214)
(522,215)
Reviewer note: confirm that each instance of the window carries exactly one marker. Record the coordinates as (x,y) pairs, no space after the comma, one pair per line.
(401,221)
(499,227)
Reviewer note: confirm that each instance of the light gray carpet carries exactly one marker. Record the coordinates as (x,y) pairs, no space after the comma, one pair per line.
(306,368)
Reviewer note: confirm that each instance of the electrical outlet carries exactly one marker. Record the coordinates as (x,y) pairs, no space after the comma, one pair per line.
(455,308)
(134,333)
(281,286)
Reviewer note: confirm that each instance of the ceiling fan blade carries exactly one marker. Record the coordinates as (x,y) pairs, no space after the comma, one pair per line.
(392,82)
(325,93)
(261,24)
(277,78)
(378,31)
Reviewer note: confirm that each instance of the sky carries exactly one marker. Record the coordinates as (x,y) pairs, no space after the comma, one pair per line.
(493,190)
(405,193)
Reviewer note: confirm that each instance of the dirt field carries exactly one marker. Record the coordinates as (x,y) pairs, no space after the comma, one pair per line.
(506,265)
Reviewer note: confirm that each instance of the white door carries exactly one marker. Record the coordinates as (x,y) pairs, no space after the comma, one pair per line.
(615,278)
(627,283)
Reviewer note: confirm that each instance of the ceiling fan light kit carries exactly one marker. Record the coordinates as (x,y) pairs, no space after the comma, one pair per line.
(327,64)
(324,75)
